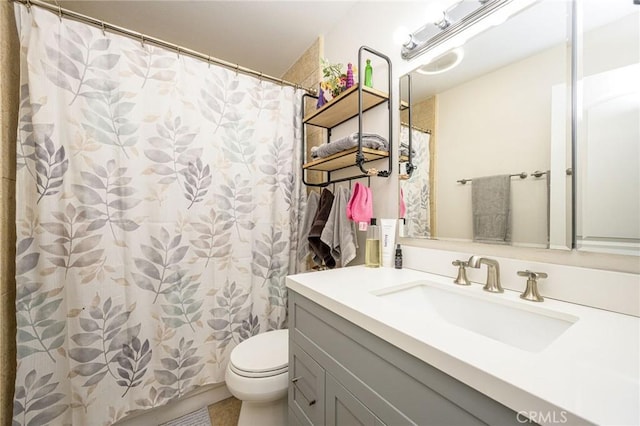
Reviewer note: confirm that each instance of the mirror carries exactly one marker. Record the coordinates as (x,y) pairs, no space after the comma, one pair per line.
(608,131)
(500,105)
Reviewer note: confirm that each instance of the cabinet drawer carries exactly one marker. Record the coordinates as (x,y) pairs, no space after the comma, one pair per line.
(306,387)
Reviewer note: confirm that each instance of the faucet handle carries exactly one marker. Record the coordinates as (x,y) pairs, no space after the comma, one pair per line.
(531,291)
(532,275)
(461,279)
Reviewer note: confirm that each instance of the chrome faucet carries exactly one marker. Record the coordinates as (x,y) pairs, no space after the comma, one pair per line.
(493,273)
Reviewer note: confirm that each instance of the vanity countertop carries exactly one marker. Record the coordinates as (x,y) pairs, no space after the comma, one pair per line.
(591,373)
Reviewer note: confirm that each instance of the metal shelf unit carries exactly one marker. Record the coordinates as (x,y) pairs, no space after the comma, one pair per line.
(351,103)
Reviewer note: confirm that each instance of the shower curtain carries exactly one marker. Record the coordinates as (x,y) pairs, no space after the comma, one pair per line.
(158,199)
(417,196)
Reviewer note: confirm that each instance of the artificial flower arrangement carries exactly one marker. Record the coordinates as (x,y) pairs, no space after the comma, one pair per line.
(334,81)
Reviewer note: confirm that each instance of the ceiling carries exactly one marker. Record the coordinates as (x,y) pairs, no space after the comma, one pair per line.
(266,36)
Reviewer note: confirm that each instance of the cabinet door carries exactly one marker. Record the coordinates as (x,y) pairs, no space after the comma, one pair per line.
(306,389)
(344,409)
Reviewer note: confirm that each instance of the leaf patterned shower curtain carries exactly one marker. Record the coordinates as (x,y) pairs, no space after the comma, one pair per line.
(417,196)
(157,207)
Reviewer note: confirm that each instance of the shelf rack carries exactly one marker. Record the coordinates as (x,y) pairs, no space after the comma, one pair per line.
(408,159)
(349,104)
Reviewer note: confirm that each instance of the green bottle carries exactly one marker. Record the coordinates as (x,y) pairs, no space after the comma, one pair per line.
(368,74)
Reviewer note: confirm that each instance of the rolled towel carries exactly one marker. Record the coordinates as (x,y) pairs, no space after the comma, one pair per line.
(369,140)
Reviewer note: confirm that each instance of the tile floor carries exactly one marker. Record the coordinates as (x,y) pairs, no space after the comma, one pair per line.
(225,412)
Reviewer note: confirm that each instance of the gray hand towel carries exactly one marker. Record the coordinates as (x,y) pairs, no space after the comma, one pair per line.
(340,233)
(491,209)
(320,249)
(310,211)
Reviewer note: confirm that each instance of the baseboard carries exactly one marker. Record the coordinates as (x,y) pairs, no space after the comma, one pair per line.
(198,398)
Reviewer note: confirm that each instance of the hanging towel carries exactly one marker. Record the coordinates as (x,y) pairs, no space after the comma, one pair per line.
(321,251)
(490,204)
(340,233)
(310,210)
(360,206)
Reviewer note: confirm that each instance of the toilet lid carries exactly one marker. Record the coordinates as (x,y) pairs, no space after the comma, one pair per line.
(262,355)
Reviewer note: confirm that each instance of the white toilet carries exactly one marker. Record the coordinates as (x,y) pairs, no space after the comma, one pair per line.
(258,375)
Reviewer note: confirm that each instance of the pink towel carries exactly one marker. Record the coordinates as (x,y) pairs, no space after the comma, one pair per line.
(360,206)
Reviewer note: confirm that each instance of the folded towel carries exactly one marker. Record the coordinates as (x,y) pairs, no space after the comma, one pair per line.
(404,150)
(340,233)
(491,209)
(321,250)
(310,210)
(369,140)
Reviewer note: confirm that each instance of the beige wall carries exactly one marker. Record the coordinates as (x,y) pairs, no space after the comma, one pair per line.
(9,83)
(306,71)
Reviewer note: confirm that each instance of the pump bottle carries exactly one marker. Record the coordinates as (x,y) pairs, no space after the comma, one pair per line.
(373,247)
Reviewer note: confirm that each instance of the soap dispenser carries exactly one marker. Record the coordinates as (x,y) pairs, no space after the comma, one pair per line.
(373,247)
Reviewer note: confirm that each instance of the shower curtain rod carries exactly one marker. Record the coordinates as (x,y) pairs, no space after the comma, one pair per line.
(104,26)
(420,129)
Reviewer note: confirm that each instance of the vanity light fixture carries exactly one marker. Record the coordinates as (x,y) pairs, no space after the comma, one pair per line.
(449,23)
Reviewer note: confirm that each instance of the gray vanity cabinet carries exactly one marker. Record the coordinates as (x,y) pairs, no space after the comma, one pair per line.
(344,375)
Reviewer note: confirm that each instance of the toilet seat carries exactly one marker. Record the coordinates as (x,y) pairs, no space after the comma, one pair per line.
(263,355)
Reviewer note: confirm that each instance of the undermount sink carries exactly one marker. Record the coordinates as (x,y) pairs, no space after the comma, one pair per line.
(531,328)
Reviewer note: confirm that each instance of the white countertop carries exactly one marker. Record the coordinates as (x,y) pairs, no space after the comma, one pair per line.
(591,373)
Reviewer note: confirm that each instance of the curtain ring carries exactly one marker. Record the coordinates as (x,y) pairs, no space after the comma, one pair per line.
(178,51)
(142,40)
(59,12)
(237,69)
(209,61)
(28,6)
(104,30)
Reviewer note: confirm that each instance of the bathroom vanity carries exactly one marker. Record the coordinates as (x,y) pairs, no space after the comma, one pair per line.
(357,356)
